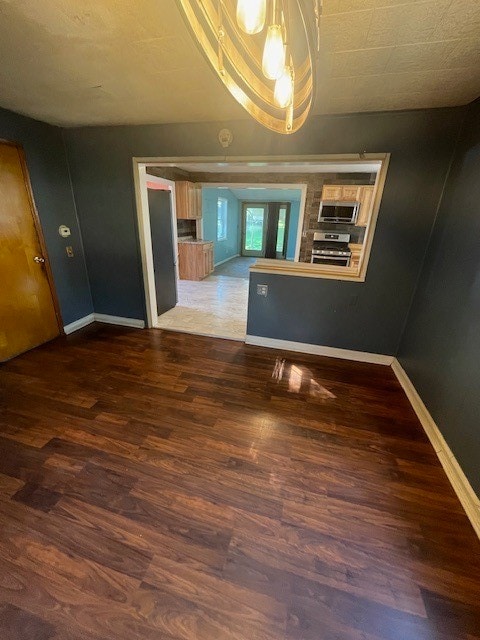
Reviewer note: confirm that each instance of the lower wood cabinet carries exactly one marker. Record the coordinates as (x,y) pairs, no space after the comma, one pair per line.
(356,250)
(195,260)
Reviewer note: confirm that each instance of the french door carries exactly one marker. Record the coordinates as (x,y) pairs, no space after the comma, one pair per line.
(254,227)
(265,229)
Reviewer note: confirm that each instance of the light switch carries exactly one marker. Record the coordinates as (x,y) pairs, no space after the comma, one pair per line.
(262,290)
(69,251)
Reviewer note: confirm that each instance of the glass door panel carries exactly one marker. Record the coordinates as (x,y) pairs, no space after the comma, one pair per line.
(281,232)
(253,229)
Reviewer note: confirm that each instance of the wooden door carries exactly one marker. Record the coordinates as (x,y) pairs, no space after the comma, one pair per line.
(28,312)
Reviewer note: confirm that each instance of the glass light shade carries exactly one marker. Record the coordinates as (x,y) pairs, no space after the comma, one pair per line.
(273,61)
(251,15)
(283,93)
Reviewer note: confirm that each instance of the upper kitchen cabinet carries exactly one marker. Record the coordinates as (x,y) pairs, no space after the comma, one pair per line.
(351,193)
(366,204)
(363,194)
(188,199)
(341,192)
(332,192)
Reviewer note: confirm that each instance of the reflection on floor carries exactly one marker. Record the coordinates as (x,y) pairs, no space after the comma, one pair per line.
(235,268)
(216,306)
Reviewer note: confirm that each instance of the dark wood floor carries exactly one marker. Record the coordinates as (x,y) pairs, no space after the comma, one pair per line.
(160,486)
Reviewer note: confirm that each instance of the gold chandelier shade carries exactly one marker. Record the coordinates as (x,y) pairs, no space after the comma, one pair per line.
(236,58)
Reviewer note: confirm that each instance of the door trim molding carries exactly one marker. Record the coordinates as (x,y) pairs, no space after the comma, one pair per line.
(145,237)
(38,228)
(319,350)
(457,478)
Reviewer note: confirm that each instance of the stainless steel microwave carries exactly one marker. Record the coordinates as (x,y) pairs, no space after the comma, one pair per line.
(338,212)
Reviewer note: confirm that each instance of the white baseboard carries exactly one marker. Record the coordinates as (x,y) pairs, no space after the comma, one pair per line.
(100,317)
(331,352)
(458,480)
(79,324)
(217,264)
(123,322)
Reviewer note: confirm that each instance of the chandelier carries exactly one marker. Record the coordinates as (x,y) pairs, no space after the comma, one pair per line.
(262,51)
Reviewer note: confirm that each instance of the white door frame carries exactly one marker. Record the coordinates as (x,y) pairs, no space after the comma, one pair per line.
(140,178)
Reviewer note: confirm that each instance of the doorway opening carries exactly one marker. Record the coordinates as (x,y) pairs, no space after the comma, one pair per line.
(201,246)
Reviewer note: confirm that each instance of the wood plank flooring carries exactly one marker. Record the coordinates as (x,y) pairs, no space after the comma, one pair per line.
(161,486)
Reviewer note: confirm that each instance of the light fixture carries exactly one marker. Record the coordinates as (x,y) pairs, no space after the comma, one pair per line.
(273,59)
(283,93)
(251,15)
(263,52)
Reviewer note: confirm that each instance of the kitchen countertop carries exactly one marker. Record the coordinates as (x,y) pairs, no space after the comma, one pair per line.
(180,240)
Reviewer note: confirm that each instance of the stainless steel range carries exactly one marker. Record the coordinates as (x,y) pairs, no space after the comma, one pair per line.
(331,248)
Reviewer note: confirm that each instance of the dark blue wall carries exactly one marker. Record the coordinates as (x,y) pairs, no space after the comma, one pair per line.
(440,349)
(367,316)
(48,169)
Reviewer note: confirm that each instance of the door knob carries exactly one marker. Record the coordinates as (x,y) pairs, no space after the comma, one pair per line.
(39,259)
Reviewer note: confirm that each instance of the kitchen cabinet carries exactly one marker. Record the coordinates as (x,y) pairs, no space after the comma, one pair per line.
(188,200)
(366,204)
(356,250)
(332,192)
(351,193)
(195,259)
(341,192)
(208,258)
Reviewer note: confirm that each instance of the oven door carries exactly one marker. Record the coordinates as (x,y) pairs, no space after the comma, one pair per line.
(337,261)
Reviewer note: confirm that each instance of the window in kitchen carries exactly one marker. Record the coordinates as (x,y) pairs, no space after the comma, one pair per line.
(222,210)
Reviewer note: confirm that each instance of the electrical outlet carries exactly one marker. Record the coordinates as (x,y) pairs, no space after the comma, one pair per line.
(262,290)
(69,251)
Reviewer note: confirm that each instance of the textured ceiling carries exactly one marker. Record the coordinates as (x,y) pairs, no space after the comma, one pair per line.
(117,61)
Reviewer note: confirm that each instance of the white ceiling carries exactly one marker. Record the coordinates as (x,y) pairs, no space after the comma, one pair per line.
(117,61)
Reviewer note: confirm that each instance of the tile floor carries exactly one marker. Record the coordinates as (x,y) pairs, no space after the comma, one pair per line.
(237,267)
(216,306)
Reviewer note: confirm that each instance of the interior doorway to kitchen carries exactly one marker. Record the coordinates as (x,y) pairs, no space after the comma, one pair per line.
(217,230)
(204,276)
(215,238)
